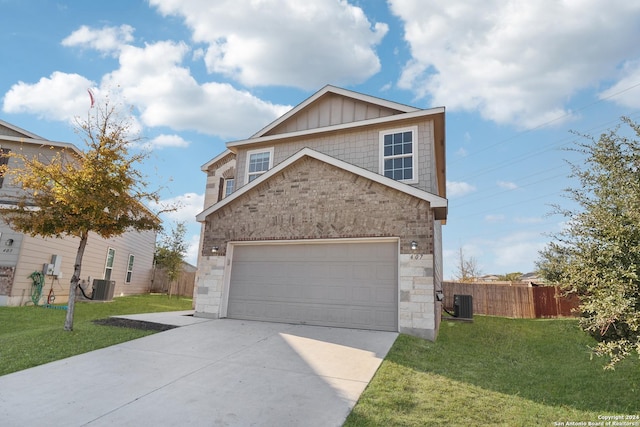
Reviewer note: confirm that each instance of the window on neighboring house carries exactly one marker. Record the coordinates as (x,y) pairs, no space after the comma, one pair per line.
(398,154)
(4,160)
(229,184)
(258,162)
(108,267)
(129,268)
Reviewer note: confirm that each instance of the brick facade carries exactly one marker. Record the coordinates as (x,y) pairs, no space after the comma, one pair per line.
(314,200)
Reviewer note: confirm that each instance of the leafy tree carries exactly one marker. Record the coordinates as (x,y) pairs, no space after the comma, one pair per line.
(552,263)
(99,190)
(597,255)
(511,277)
(170,252)
(467,269)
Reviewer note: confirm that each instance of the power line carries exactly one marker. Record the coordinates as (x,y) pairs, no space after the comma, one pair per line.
(556,119)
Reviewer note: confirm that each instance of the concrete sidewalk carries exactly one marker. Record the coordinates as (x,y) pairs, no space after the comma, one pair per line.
(204,373)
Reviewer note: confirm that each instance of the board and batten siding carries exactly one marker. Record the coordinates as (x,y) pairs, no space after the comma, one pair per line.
(332,109)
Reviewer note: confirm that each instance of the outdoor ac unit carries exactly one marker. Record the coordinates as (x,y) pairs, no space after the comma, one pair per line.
(103,290)
(463,306)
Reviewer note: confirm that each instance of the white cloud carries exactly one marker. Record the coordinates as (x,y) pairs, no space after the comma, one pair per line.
(283,42)
(500,254)
(108,40)
(462,152)
(507,185)
(162,141)
(60,96)
(528,220)
(516,251)
(494,218)
(153,79)
(458,189)
(626,91)
(188,206)
(192,249)
(513,61)
(165,92)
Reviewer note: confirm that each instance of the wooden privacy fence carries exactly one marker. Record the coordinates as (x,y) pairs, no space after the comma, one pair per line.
(182,286)
(516,301)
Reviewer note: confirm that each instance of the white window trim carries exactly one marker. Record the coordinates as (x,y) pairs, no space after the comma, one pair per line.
(258,151)
(226,184)
(414,155)
(127,277)
(106,264)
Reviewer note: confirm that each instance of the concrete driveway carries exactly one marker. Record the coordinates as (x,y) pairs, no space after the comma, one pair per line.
(204,373)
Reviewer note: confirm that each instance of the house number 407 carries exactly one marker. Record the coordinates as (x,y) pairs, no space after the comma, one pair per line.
(417,256)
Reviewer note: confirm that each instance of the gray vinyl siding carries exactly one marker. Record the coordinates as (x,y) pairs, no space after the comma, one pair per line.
(358,147)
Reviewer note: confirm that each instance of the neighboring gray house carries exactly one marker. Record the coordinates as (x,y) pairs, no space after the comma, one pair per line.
(127,259)
(331,215)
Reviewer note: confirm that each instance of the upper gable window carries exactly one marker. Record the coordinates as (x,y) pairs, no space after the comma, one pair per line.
(398,151)
(258,162)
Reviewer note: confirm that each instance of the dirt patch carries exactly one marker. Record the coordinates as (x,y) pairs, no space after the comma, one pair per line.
(134,324)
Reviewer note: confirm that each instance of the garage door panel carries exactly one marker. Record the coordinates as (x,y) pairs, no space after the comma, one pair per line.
(337,284)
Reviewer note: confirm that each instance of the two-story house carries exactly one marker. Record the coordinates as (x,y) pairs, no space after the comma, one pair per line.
(127,259)
(331,215)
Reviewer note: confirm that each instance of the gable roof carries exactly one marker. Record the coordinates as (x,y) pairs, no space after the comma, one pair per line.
(329,89)
(277,131)
(217,158)
(19,130)
(437,203)
(31,138)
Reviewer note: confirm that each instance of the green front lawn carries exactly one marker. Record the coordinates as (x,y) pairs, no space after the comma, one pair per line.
(498,372)
(31,336)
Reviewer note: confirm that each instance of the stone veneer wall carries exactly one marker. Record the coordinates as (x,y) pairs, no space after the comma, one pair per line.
(209,286)
(417,296)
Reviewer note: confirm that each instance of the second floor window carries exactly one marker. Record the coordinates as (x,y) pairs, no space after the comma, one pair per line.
(229,183)
(398,154)
(258,162)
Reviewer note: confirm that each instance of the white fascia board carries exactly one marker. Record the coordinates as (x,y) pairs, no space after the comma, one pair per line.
(220,156)
(40,142)
(434,200)
(338,91)
(351,125)
(20,130)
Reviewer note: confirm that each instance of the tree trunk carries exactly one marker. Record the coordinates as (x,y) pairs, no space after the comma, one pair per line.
(75,279)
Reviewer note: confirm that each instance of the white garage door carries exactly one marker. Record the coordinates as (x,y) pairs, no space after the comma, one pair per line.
(351,285)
